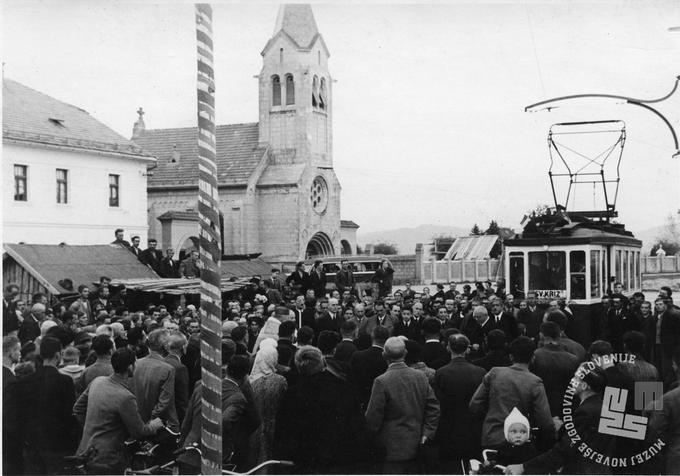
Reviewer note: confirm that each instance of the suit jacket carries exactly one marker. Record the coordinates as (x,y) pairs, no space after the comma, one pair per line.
(233,410)
(10,321)
(366,366)
(286,350)
(181,385)
(504,388)
(373,321)
(507,324)
(326,323)
(531,319)
(111,415)
(410,331)
(124,243)
(153,383)
(169,269)
(317,282)
(555,367)
(299,282)
(152,257)
(459,432)
(402,409)
(494,358)
(29,329)
(136,251)
(344,280)
(345,350)
(435,355)
(670,331)
(321,428)
(620,322)
(38,408)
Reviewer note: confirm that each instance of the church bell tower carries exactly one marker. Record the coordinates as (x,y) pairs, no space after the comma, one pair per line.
(295,91)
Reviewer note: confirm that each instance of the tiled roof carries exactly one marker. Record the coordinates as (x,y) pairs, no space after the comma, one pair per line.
(83,264)
(237,154)
(31,116)
(297,20)
(348,224)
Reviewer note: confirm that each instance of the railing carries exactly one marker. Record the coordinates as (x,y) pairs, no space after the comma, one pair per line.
(460,271)
(660,264)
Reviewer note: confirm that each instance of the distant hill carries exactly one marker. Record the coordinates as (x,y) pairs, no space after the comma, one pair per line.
(406,238)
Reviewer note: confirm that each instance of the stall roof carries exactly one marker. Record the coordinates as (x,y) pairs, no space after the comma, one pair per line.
(178,286)
(236,273)
(52,265)
(471,247)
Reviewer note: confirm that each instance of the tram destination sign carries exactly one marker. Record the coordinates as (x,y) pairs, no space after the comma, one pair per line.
(550,293)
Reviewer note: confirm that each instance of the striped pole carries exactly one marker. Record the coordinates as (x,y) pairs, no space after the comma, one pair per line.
(208,217)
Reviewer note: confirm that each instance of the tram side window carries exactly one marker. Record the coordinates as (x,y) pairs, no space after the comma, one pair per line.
(595,275)
(626,274)
(547,270)
(516,275)
(617,267)
(577,274)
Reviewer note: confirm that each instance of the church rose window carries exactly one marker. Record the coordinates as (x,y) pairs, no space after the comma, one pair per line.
(319,195)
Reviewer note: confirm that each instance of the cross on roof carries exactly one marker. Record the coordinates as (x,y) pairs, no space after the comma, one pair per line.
(140,111)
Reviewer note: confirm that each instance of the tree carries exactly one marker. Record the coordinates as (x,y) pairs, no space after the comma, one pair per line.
(668,237)
(475,230)
(385,249)
(493,228)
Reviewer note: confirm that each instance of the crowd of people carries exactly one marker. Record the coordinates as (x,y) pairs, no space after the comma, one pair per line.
(336,377)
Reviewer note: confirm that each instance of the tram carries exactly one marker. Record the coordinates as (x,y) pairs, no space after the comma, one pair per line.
(575,255)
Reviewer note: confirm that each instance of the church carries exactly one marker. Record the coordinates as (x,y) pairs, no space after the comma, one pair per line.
(278,192)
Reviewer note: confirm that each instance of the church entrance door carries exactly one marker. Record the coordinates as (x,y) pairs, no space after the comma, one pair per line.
(319,245)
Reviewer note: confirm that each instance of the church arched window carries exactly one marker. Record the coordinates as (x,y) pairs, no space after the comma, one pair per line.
(276,91)
(315,91)
(290,89)
(322,94)
(280,55)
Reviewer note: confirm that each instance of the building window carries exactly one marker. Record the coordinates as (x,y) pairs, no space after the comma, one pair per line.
(20,183)
(319,195)
(322,94)
(276,91)
(280,55)
(62,186)
(290,90)
(315,91)
(577,274)
(114,190)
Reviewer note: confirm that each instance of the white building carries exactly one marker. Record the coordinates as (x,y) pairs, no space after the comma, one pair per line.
(66,176)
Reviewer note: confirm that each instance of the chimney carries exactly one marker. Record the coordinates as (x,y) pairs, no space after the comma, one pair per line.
(139,127)
(175,154)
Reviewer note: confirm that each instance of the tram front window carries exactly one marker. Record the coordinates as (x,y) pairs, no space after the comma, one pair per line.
(547,270)
(577,274)
(516,281)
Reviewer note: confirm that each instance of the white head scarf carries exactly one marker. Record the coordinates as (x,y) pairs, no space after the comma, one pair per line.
(265,360)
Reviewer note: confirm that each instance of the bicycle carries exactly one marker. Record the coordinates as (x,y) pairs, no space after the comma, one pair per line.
(172,467)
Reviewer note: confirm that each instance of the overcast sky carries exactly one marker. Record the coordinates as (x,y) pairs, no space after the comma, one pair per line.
(429,121)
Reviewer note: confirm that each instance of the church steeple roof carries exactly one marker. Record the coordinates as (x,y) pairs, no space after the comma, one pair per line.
(297,21)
